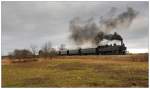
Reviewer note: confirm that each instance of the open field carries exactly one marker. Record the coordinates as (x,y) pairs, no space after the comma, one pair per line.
(78,71)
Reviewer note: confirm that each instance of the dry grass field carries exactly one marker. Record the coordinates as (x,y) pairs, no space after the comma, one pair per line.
(78,71)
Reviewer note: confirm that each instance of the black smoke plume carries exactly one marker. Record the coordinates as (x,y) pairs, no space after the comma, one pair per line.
(100,36)
(88,31)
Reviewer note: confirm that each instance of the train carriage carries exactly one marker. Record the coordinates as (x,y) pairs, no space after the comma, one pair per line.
(88,51)
(63,52)
(100,50)
(74,52)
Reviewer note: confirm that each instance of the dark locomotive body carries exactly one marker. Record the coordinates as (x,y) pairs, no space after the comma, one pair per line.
(100,50)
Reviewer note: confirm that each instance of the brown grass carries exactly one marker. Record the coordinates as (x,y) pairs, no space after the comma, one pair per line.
(78,71)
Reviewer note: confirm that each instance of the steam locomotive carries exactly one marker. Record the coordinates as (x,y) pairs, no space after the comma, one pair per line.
(99,50)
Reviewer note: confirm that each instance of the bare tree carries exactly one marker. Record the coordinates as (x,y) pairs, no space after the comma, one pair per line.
(62,47)
(47,51)
(47,46)
(44,52)
(21,54)
(10,55)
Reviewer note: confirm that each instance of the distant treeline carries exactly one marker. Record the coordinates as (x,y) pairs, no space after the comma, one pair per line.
(46,52)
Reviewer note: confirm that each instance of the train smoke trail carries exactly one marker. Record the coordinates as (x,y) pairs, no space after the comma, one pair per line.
(88,31)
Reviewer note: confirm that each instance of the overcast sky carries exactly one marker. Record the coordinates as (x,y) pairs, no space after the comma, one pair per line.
(26,23)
